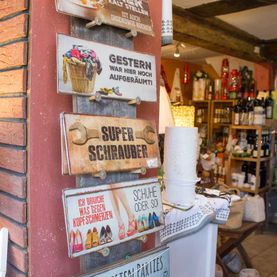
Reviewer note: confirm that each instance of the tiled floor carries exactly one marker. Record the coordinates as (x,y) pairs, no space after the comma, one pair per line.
(262,249)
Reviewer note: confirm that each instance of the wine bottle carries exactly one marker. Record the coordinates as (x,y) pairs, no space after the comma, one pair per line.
(269,104)
(237,114)
(255,149)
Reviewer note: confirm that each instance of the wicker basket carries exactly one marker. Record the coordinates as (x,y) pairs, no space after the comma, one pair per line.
(235,217)
(80,83)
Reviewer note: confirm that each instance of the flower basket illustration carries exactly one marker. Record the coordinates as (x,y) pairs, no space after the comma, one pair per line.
(79,81)
(82,65)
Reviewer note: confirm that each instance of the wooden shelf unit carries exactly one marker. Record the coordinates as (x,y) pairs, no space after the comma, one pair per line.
(236,162)
(249,159)
(204,105)
(210,106)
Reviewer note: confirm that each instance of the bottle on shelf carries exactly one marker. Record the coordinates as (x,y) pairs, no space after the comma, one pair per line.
(267,144)
(250,112)
(259,116)
(237,113)
(269,104)
(244,113)
(217,89)
(255,148)
(262,153)
(244,170)
(210,91)
(263,115)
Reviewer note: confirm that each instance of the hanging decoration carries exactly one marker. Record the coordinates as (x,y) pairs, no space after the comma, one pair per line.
(186,78)
(167,29)
(224,79)
(176,91)
(199,85)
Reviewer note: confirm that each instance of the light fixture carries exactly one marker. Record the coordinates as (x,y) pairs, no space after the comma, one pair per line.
(177,50)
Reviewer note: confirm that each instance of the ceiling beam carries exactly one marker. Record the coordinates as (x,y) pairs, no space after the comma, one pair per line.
(270,49)
(228,6)
(215,35)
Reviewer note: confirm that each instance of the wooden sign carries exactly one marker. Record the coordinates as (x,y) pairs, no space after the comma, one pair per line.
(99,217)
(130,14)
(94,144)
(89,68)
(150,264)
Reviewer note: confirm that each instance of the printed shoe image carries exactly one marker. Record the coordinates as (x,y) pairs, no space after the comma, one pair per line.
(109,235)
(72,240)
(140,224)
(103,236)
(145,222)
(150,221)
(132,228)
(78,242)
(95,238)
(156,220)
(88,244)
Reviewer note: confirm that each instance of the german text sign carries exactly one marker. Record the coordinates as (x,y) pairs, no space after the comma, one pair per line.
(90,68)
(126,14)
(150,264)
(99,217)
(95,144)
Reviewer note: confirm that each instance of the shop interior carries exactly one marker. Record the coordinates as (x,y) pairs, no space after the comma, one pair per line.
(232,103)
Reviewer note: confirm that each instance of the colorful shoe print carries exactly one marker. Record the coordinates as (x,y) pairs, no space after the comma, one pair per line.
(145,222)
(102,236)
(78,242)
(156,220)
(88,244)
(95,237)
(132,228)
(109,235)
(72,240)
(150,221)
(140,224)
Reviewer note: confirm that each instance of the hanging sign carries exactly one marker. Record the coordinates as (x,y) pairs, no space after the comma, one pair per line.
(150,264)
(126,14)
(99,217)
(89,68)
(93,144)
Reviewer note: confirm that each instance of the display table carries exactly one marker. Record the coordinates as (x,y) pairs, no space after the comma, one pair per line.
(234,240)
(192,236)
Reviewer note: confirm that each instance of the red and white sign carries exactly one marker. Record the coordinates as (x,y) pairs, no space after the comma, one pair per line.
(99,217)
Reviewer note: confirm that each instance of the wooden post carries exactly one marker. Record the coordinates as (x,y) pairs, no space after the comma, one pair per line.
(106,107)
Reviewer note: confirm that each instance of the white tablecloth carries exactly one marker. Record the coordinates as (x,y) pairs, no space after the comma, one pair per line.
(205,210)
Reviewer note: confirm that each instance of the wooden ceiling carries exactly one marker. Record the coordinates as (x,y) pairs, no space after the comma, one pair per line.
(200,26)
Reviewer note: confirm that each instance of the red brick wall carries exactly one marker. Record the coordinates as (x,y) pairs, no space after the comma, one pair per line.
(13,97)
